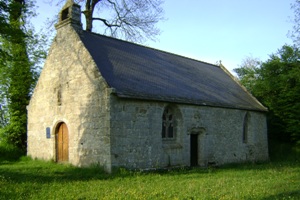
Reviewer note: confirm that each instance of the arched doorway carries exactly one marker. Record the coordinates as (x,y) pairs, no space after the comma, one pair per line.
(62,143)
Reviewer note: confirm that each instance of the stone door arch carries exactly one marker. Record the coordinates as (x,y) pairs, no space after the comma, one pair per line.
(62,143)
(195,153)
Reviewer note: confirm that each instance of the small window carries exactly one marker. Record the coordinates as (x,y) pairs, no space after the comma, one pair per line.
(65,14)
(168,124)
(59,97)
(245,127)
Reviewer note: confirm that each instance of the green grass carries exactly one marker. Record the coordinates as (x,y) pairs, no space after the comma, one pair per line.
(35,179)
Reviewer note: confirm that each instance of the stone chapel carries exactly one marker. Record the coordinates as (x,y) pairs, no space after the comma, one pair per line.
(104,101)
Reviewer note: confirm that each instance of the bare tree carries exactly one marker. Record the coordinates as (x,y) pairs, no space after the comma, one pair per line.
(133,20)
(294,34)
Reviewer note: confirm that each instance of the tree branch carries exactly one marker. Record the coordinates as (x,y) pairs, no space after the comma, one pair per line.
(106,22)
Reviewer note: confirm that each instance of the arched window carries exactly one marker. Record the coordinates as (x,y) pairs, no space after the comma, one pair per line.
(245,127)
(168,123)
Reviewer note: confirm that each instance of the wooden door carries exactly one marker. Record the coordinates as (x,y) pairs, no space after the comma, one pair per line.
(62,143)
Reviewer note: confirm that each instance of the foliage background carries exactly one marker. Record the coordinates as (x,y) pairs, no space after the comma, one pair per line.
(22,53)
(276,83)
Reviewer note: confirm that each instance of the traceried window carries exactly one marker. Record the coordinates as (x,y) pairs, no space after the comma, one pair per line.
(168,124)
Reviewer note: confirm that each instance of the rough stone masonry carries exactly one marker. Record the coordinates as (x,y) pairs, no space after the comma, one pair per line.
(114,123)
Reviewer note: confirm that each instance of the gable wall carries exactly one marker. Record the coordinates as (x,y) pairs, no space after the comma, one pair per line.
(71,90)
(137,143)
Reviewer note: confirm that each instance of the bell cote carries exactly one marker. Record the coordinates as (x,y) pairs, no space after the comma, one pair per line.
(70,14)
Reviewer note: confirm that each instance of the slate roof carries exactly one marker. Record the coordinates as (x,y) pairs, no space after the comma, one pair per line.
(139,72)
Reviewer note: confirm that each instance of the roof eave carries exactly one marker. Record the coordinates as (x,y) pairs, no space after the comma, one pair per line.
(186,101)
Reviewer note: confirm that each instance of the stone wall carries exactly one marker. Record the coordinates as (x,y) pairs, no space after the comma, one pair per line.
(136,139)
(70,90)
(113,132)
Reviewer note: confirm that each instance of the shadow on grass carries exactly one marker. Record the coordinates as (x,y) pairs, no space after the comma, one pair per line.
(47,172)
(24,170)
(286,195)
(9,153)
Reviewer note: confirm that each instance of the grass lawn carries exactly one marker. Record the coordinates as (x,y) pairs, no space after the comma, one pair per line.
(34,179)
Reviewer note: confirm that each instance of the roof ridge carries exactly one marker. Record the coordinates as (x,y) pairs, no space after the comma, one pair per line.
(152,48)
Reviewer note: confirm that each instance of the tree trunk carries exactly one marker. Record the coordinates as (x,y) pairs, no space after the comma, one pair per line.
(89,20)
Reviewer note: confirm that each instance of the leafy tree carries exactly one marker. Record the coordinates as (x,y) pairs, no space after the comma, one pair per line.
(248,72)
(277,86)
(133,20)
(18,70)
(4,32)
(6,29)
(3,18)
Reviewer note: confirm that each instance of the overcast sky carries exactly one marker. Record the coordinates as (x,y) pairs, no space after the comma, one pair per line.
(214,30)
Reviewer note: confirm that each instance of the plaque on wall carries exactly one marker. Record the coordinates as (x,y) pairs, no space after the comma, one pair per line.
(48,135)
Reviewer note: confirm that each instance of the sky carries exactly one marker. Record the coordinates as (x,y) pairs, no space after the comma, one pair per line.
(215,30)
